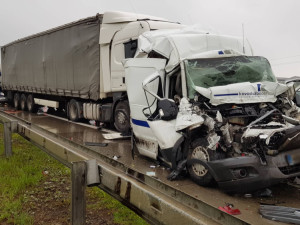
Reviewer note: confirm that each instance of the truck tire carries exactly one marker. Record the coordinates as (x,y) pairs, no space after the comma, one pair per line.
(16,100)
(31,106)
(199,150)
(23,101)
(122,117)
(74,110)
(10,97)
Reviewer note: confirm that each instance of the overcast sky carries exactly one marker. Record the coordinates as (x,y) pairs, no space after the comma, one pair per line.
(271,26)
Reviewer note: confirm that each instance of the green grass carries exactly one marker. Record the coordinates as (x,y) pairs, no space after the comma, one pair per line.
(122,215)
(22,174)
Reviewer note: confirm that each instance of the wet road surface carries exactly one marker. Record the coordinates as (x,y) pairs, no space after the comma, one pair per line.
(283,194)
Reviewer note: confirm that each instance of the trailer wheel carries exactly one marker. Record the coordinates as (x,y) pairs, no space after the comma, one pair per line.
(122,117)
(17,100)
(74,110)
(23,104)
(199,150)
(31,106)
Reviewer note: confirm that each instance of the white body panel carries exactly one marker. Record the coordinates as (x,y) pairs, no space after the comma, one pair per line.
(179,44)
(118,28)
(48,103)
(136,71)
(241,93)
(165,133)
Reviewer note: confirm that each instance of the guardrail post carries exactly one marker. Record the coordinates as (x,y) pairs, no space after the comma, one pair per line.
(78,193)
(9,127)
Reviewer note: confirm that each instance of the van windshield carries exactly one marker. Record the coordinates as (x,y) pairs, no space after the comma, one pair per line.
(213,72)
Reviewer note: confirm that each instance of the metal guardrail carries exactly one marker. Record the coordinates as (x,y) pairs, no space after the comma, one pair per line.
(155,201)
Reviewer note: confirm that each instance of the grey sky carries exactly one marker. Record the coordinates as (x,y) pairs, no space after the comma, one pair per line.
(271,26)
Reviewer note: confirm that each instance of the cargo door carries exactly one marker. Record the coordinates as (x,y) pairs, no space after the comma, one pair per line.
(137,70)
(123,46)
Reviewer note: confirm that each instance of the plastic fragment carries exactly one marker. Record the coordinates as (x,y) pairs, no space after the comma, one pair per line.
(229,209)
(116,157)
(151,174)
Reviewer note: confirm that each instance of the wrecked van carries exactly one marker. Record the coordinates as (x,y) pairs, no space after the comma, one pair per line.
(203,104)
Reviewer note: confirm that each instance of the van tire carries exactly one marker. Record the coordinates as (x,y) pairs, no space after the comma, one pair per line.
(199,150)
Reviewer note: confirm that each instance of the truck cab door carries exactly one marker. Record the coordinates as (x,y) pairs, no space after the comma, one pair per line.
(136,71)
(124,45)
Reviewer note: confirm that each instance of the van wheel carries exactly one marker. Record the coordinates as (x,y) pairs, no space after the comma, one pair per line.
(122,117)
(31,106)
(23,104)
(199,150)
(17,100)
(74,110)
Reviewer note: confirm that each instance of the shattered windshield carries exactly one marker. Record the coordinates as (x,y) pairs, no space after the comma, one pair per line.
(212,72)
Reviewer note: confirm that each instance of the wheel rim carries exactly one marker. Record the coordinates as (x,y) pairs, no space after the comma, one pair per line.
(121,117)
(201,153)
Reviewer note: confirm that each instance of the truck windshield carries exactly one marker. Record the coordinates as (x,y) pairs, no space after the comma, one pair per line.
(212,72)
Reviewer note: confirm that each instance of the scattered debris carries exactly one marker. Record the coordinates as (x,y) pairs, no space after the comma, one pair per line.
(151,174)
(248,195)
(229,209)
(264,193)
(295,183)
(112,136)
(152,166)
(280,213)
(116,157)
(92,122)
(45,172)
(96,144)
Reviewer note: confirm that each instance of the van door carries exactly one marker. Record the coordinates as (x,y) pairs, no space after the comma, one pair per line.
(136,71)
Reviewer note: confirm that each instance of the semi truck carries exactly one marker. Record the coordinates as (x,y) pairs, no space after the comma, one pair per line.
(77,67)
(210,109)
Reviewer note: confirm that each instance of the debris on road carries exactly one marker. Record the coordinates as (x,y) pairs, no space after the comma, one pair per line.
(280,213)
(96,144)
(228,208)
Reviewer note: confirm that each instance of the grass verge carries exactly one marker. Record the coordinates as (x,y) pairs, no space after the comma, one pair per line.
(34,187)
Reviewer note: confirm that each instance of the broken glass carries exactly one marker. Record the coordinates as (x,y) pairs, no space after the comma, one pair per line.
(211,72)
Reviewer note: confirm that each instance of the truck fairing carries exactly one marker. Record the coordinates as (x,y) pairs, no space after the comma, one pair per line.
(241,130)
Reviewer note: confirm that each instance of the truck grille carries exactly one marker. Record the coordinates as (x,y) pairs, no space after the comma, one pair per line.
(287,170)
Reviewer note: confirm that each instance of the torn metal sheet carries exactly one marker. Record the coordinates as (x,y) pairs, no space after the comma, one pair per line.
(186,118)
(188,42)
(242,93)
(112,136)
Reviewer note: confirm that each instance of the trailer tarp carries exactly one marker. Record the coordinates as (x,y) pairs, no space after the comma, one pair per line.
(64,61)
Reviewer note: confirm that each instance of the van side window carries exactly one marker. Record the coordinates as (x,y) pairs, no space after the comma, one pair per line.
(130,48)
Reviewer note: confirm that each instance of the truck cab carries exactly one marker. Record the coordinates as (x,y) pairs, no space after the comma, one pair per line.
(207,106)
